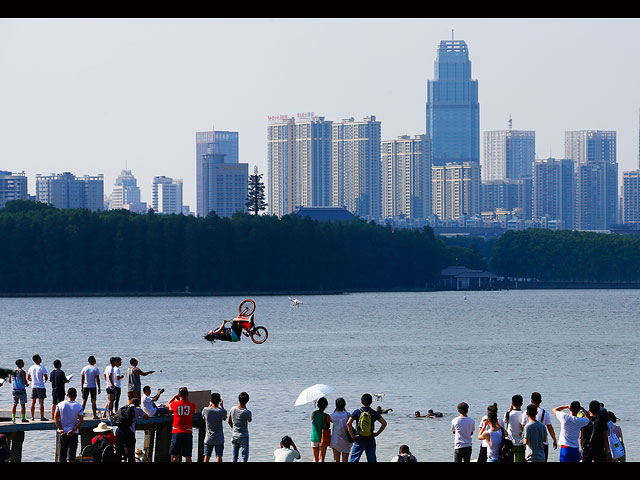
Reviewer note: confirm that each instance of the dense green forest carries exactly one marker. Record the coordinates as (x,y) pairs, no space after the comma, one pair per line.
(566,255)
(46,250)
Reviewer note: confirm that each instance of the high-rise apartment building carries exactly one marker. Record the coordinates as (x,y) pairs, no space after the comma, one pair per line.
(596,170)
(510,195)
(313,160)
(631,197)
(65,190)
(453,111)
(281,166)
(225,185)
(299,160)
(406,177)
(596,195)
(356,166)
(167,195)
(13,186)
(554,191)
(212,142)
(126,194)
(508,154)
(456,190)
(590,146)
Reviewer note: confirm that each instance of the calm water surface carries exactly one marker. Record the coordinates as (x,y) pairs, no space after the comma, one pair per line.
(422,350)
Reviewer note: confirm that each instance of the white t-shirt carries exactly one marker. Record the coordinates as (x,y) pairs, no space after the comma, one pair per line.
(515,427)
(500,422)
(463,428)
(90,372)
(147,405)
(115,373)
(544,421)
(286,455)
(570,428)
(69,413)
(37,373)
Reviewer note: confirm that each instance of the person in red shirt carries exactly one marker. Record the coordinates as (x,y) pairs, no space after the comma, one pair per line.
(182,433)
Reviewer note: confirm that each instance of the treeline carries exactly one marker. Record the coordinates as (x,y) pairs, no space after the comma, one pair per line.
(74,251)
(566,255)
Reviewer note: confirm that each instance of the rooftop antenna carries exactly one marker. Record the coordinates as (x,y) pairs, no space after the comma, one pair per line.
(510,123)
(452,34)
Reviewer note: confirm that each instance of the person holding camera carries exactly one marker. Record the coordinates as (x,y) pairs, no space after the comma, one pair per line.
(149,403)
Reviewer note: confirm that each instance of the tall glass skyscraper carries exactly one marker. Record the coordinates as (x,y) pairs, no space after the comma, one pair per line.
(216,142)
(453,111)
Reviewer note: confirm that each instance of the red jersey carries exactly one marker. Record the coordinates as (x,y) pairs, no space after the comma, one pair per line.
(183,411)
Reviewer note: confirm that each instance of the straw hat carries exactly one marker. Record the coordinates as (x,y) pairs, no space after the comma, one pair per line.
(102,428)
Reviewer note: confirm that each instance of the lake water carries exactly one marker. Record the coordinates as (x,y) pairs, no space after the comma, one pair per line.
(422,350)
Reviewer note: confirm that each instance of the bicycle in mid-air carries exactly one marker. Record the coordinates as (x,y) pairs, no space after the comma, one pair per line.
(242,324)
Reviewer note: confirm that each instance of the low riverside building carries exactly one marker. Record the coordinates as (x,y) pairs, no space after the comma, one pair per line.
(463,278)
(324,214)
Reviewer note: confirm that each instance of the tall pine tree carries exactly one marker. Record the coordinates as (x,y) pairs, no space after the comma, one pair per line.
(256,198)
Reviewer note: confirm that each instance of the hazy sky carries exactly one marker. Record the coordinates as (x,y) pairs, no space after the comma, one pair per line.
(86,95)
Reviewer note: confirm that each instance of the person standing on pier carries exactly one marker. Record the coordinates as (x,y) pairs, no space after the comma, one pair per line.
(134,387)
(125,420)
(37,375)
(213,416)
(239,418)
(117,374)
(58,381)
(19,384)
(68,418)
(90,381)
(110,382)
(182,431)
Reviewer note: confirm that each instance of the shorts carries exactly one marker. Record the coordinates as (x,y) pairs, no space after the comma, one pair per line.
(111,391)
(208,450)
(86,391)
(19,396)
(134,394)
(181,444)
(569,454)
(57,397)
(315,444)
(518,453)
(40,393)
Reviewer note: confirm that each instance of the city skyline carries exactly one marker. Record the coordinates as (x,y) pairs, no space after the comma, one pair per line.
(127,85)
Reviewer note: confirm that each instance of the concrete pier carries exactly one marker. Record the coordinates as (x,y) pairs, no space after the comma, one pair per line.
(157,432)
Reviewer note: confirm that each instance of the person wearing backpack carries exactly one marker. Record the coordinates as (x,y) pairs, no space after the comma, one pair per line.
(364,436)
(103,444)
(594,438)
(125,421)
(404,455)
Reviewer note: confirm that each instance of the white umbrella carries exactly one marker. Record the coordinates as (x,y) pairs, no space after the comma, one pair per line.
(312,394)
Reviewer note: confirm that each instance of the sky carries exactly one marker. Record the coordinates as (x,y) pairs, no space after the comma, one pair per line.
(91,95)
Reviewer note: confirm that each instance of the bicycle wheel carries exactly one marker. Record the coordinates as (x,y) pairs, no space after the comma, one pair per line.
(247,307)
(259,335)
